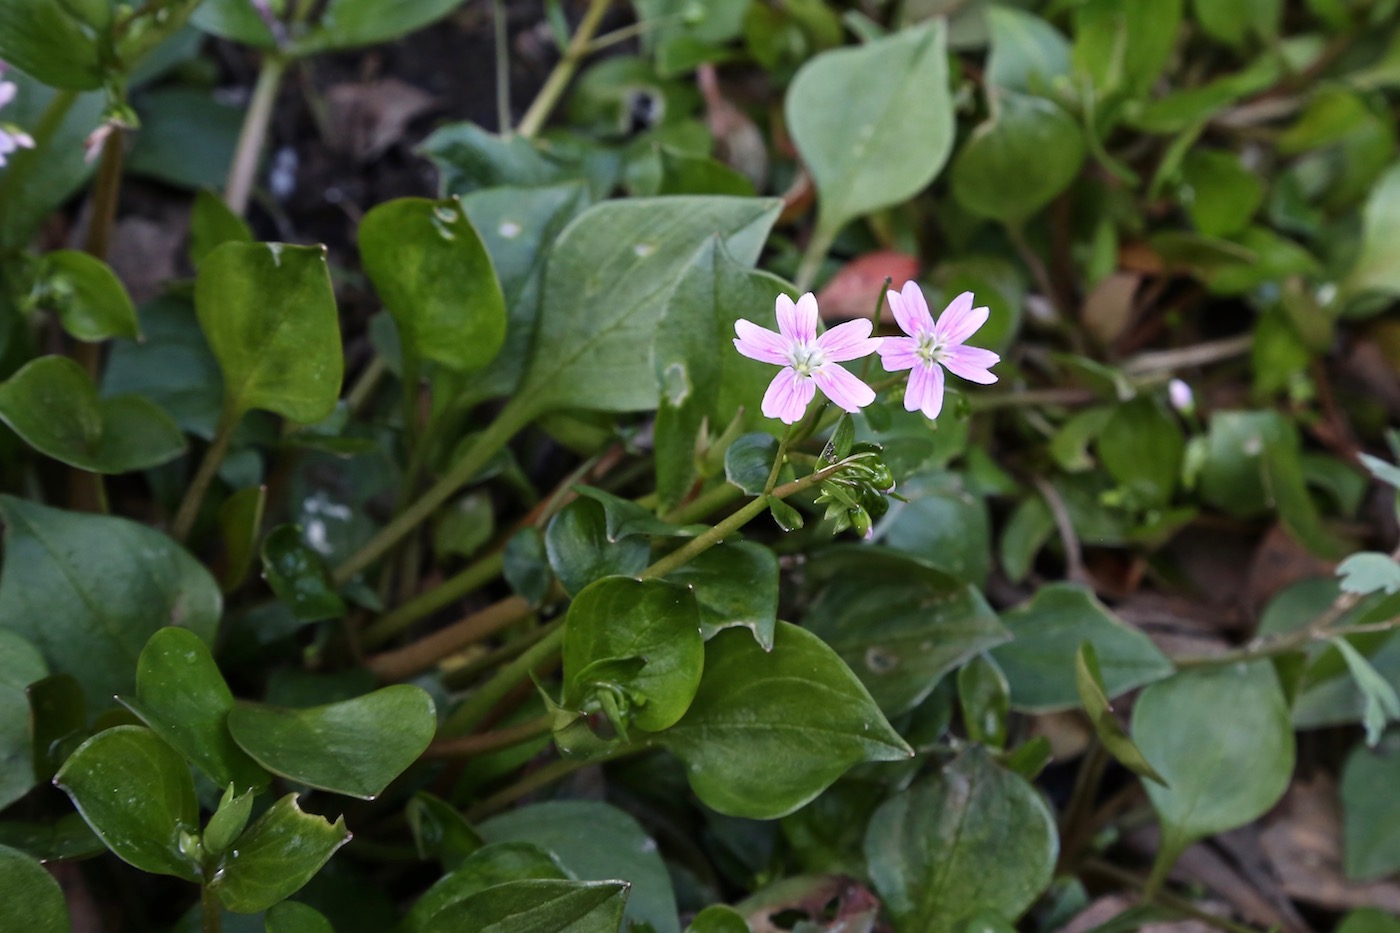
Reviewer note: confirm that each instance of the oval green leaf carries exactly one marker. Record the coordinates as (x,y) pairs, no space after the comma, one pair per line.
(21,664)
(52,404)
(735,585)
(537,907)
(298,576)
(137,794)
(91,302)
(30,898)
(490,865)
(275,856)
(292,917)
(269,314)
(798,709)
(1015,163)
(971,837)
(435,277)
(581,552)
(355,747)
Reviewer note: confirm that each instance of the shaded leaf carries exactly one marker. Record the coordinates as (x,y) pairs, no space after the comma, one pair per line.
(30,898)
(21,664)
(735,584)
(1094,696)
(90,300)
(538,907)
(276,856)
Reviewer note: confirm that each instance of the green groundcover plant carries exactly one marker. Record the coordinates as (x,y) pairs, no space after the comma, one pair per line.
(910,466)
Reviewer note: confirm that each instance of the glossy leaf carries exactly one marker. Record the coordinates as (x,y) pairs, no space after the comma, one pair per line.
(298,576)
(1094,697)
(718,918)
(899,624)
(228,821)
(1015,163)
(749,460)
(798,708)
(619,618)
(275,856)
(213,224)
(137,794)
(294,917)
(68,837)
(58,721)
(1047,632)
(489,865)
(355,747)
(89,590)
(985,699)
(538,907)
(971,837)
(432,271)
(269,314)
(52,404)
(30,898)
(1221,771)
(90,300)
(735,584)
(240,525)
(183,698)
(581,552)
(21,664)
(873,123)
(594,841)
(594,340)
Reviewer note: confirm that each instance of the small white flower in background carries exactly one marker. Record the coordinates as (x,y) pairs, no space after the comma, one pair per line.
(11,136)
(931,346)
(1179,394)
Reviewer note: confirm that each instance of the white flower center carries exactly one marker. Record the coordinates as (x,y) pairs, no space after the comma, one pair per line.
(931,350)
(806,358)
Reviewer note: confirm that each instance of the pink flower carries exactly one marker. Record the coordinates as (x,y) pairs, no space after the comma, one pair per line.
(809,362)
(932,346)
(11,137)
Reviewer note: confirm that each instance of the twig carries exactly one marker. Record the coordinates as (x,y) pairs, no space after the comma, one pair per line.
(468,745)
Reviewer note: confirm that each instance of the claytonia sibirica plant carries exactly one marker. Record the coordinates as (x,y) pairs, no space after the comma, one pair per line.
(930,346)
(11,136)
(809,361)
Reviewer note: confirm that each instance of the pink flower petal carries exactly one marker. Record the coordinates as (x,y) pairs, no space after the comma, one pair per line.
(788,396)
(760,343)
(8,89)
(925,392)
(898,353)
(966,326)
(971,363)
(848,341)
(844,389)
(910,309)
(953,320)
(798,322)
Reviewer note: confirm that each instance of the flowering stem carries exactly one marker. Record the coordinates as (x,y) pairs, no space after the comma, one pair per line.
(778,461)
(210,910)
(474,709)
(218,448)
(817,247)
(471,578)
(711,500)
(554,771)
(558,80)
(501,36)
(253,136)
(468,745)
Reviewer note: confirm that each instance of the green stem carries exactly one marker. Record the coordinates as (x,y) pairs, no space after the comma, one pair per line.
(210,910)
(475,708)
(558,80)
(105,194)
(363,389)
(778,461)
(454,588)
(208,467)
(468,745)
(1161,868)
(711,500)
(511,419)
(501,36)
(554,771)
(817,247)
(253,136)
(1165,898)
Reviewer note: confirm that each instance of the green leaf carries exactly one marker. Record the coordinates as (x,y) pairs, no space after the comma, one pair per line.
(1094,696)
(58,721)
(1369,920)
(213,224)
(173,367)
(350,24)
(52,404)
(183,698)
(873,123)
(1377,268)
(594,340)
(496,863)
(435,277)
(292,917)
(68,837)
(440,830)
(269,314)
(1381,704)
(298,576)
(596,842)
(968,838)
(1028,54)
(464,527)
(90,300)
(985,699)
(1370,809)
(1047,633)
(580,551)
(21,664)
(39,37)
(525,565)
(797,708)
(718,918)
(942,526)
(538,907)
(1369,572)
(188,136)
(624,518)
(1222,741)
(1234,23)
(30,898)
(1122,45)
(228,821)
(137,794)
(1015,163)
(749,460)
(89,590)
(355,747)
(619,618)
(1219,193)
(275,856)
(240,523)
(735,584)
(898,623)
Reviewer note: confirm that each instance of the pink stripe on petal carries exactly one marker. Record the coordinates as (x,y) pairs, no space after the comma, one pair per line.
(966,326)
(844,389)
(898,353)
(760,343)
(805,318)
(971,363)
(788,396)
(925,392)
(916,315)
(848,341)
(787,317)
(951,320)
